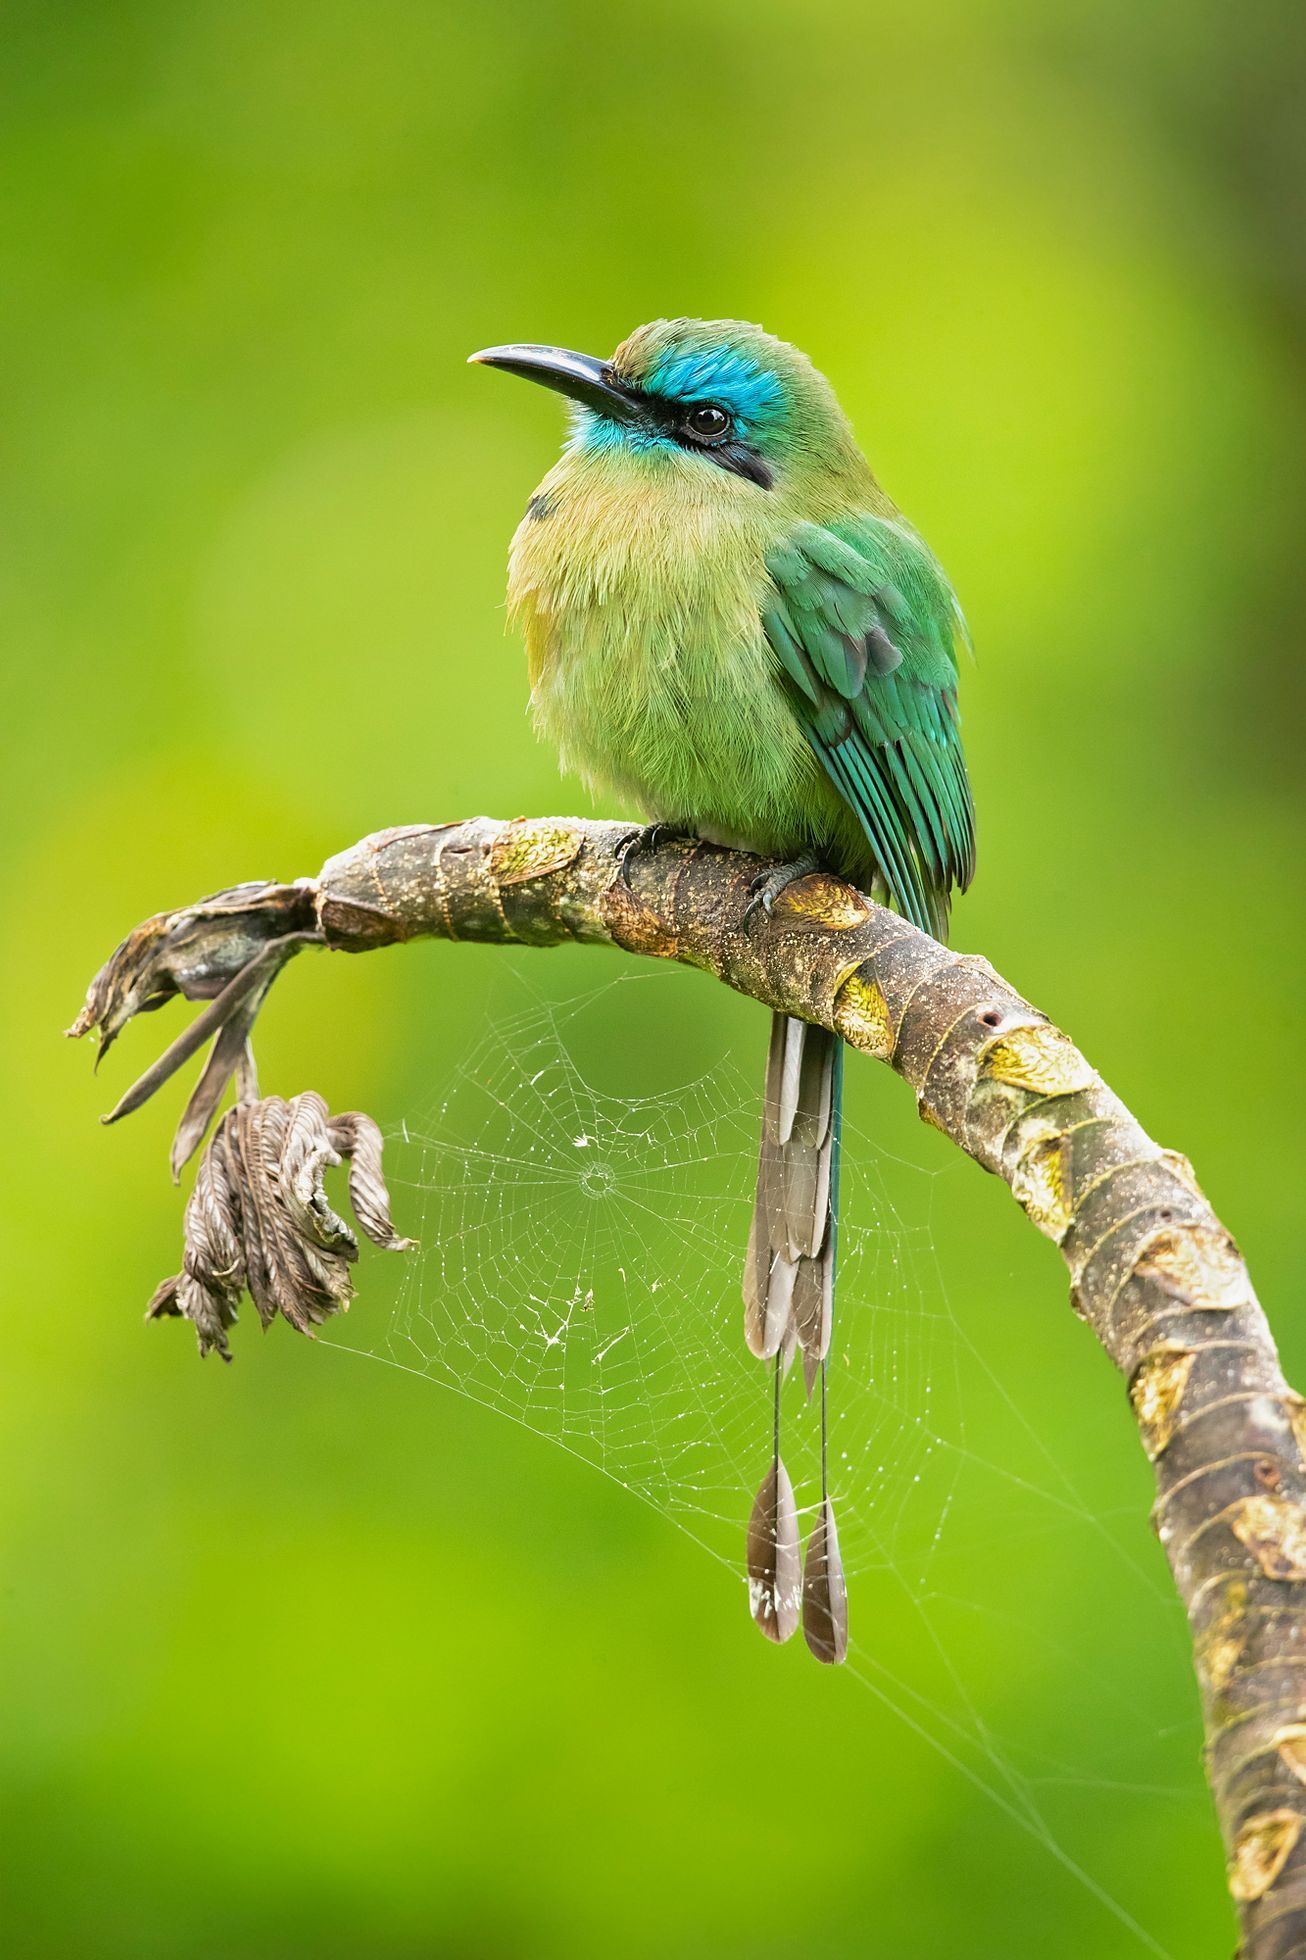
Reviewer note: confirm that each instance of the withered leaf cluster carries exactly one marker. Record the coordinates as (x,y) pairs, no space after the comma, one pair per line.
(259,1221)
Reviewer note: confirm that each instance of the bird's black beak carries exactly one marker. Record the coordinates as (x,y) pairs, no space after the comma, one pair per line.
(579,376)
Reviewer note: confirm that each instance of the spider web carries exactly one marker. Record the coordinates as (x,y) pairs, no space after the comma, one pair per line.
(579,1272)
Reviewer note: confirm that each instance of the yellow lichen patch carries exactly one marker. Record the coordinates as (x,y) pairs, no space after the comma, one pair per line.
(1041,1185)
(861,1015)
(1038,1058)
(1274,1531)
(1291,1745)
(1157,1391)
(1261,1850)
(820,900)
(1198,1264)
(531,850)
(1220,1647)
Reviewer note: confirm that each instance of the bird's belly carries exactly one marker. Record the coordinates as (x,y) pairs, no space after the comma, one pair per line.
(687,719)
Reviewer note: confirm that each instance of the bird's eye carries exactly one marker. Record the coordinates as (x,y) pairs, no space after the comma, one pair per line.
(708,422)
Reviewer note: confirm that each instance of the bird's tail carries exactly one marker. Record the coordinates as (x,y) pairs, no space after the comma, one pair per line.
(789,1303)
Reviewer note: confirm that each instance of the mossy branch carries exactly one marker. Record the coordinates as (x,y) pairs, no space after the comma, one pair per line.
(1152,1270)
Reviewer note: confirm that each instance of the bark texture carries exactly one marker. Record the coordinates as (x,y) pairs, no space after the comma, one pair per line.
(1152,1270)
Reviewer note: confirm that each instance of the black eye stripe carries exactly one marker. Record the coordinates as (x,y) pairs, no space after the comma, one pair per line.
(671,418)
(667,412)
(740,460)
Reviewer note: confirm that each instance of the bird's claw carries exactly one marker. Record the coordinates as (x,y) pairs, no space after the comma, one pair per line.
(767,886)
(648,837)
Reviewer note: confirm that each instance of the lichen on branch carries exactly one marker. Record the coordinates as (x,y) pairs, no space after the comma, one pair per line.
(1153,1272)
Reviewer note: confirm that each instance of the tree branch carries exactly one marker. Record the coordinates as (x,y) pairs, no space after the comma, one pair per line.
(1152,1270)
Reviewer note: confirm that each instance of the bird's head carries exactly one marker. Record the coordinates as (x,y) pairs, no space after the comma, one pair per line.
(720,393)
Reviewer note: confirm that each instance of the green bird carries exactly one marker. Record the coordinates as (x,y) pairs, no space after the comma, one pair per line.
(732,627)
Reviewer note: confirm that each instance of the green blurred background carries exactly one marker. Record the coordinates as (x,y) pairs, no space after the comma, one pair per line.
(306,1656)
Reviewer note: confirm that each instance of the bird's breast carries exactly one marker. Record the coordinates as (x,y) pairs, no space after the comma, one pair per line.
(649,667)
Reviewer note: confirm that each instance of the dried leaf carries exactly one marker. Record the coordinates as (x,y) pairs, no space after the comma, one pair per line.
(258,1219)
(774,1575)
(166,956)
(195,952)
(825,1594)
(229,1052)
(358,1138)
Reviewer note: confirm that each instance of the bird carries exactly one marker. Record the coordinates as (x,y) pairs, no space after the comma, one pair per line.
(732,627)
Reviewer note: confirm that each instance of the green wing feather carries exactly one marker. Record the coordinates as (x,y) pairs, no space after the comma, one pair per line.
(865,626)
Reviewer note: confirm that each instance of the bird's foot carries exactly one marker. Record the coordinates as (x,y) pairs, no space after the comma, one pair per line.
(649,837)
(768,884)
